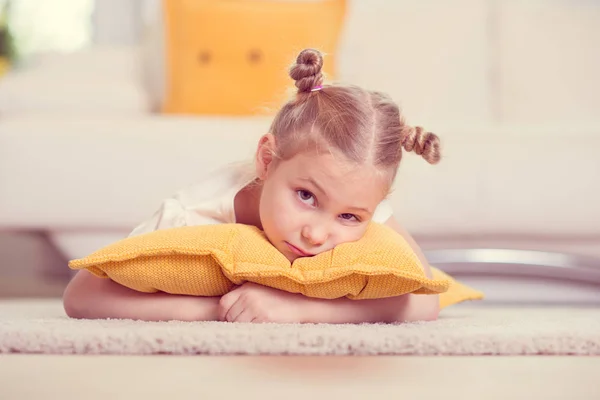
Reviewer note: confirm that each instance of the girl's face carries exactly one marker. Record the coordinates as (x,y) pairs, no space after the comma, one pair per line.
(313,202)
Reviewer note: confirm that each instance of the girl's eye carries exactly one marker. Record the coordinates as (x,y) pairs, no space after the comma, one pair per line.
(306,197)
(348,217)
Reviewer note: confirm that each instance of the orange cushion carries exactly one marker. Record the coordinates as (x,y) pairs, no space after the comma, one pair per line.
(208,260)
(232,57)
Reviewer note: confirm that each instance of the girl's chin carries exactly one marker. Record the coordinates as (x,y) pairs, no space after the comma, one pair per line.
(283,249)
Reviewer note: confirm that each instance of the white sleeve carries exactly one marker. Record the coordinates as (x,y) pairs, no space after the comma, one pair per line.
(170,215)
(383,212)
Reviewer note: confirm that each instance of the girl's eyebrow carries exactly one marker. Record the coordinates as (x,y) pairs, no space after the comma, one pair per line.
(363,209)
(320,188)
(315,184)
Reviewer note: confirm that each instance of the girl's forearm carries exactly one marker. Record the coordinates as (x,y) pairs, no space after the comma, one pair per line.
(89,297)
(406,308)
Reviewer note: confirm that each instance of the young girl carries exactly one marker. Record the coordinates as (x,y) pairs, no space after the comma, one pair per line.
(319,177)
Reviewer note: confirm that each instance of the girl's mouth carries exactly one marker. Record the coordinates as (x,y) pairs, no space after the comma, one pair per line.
(298,251)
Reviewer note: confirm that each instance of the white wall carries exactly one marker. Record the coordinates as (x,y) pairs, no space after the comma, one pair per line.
(118,21)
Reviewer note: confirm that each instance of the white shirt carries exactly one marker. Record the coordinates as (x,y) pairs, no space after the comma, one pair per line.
(211,201)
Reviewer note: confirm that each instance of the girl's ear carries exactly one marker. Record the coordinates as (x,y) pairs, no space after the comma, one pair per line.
(265,155)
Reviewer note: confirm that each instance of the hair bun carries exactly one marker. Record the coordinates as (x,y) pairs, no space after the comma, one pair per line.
(423,143)
(307,70)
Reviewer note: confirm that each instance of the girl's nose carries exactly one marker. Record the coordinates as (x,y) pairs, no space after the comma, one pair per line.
(316,235)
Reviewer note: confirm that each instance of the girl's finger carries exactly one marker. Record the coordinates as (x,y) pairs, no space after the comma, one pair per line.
(245,316)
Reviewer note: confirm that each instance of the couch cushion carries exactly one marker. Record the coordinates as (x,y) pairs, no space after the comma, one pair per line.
(99,80)
(431,56)
(549,61)
(231,58)
(94,172)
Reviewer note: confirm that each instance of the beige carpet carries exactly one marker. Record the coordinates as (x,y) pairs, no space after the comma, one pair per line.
(36,326)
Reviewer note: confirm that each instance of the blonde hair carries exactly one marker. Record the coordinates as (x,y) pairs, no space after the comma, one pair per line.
(366,126)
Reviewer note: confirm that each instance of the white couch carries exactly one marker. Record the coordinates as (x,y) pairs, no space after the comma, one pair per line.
(84,157)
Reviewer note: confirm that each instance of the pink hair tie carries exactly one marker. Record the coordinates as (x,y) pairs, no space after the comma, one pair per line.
(316,88)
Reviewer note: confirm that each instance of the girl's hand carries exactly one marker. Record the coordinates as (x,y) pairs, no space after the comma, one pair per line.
(251,302)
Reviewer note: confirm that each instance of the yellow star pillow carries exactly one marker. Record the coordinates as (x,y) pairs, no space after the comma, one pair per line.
(209,260)
(231,57)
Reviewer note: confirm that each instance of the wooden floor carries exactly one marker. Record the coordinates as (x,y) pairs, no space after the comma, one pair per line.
(289,378)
